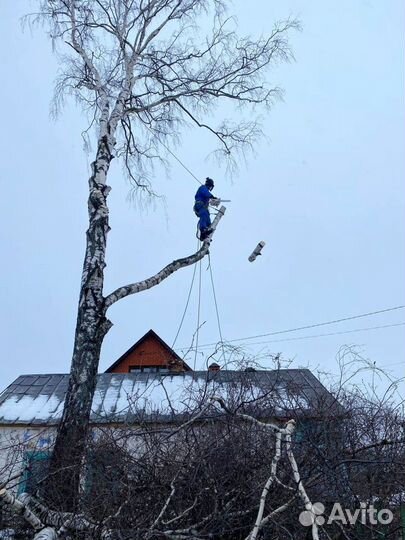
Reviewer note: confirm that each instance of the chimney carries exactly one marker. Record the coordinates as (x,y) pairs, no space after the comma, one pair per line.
(214,367)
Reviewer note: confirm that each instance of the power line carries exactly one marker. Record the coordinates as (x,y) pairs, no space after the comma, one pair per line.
(315,325)
(324,335)
(394,364)
(328,334)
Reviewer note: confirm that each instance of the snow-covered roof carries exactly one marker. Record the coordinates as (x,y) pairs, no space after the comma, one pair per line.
(123,397)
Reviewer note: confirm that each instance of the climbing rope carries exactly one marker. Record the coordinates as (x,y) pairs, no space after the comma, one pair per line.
(198,317)
(199,278)
(216,309)
(175,157)
(181,163)
(197,332)
(186,307)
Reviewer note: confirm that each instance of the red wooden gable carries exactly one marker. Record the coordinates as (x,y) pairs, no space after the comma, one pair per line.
(149,354)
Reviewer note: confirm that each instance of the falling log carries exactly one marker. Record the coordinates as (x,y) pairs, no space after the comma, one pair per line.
(257,251)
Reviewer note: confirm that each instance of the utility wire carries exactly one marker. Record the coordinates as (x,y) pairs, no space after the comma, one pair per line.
(310,325)
(328,334)
(324,335)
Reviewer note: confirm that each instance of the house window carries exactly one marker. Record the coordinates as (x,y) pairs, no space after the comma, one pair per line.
(35,471)
(163,370)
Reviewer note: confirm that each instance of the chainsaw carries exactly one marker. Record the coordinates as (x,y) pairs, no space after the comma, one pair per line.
(216,202)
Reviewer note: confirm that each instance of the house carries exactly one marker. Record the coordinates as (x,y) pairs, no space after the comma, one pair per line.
(148,383)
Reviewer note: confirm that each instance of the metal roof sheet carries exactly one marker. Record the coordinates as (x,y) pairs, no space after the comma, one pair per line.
(120,397)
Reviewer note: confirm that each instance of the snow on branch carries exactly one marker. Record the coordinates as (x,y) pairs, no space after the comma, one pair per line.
(152,281)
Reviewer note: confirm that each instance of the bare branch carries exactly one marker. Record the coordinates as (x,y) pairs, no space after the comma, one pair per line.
(134,288)
(21,508)
(300,486)
(274,463)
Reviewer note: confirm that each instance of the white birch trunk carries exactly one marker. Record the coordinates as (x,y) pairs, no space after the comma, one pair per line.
(300,487)
(269,483)
(92,325)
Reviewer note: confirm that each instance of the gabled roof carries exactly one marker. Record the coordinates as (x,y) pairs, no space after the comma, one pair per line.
(122,397)
(154,336)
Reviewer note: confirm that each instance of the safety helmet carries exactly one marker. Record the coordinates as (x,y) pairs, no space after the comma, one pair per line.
(209,182)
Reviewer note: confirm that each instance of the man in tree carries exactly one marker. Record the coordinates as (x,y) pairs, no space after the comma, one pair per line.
(202,199)
(143,70)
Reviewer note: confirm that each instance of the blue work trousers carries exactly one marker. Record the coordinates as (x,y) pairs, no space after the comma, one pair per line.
(202,212)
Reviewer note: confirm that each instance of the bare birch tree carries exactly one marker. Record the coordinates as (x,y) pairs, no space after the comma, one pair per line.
(143,70)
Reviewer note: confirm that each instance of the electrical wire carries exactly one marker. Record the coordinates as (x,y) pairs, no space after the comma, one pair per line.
(315,325)
(324,335)
(329,334)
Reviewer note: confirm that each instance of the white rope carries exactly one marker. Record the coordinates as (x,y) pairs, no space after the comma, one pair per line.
(187,303)
(198,316)
(217,311)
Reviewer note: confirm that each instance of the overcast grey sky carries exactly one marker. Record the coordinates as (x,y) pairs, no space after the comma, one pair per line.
(326,192)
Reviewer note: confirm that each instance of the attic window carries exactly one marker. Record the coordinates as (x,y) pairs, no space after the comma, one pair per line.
(149,369)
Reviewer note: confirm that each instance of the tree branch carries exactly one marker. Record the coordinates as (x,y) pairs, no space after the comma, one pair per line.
(21,508)
(273,472)
(300,486)
(286,430)
(140,286)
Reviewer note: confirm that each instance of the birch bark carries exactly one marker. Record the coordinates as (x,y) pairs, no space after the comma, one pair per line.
(91,328)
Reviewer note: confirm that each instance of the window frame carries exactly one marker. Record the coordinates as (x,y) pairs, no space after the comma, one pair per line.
(160,369)
(30,457)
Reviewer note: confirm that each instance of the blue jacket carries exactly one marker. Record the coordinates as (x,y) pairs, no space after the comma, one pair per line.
(203,195)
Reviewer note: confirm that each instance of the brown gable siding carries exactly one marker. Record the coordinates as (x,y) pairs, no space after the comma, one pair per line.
(150,350)
(149,353)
